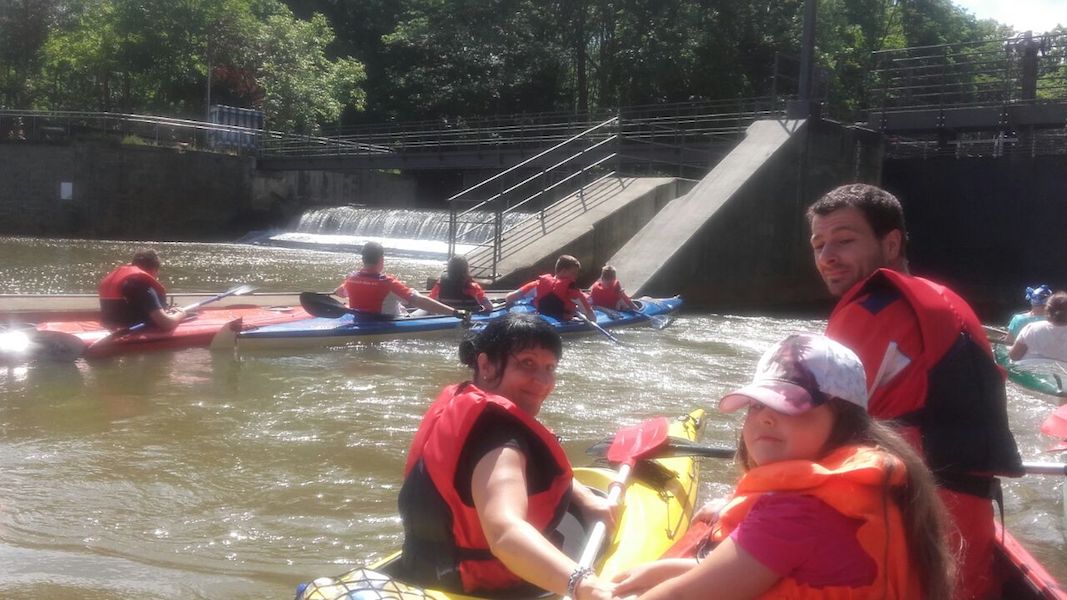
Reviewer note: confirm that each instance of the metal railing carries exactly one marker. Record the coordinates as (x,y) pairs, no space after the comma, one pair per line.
(486,203)
(1024,68)
(59,126)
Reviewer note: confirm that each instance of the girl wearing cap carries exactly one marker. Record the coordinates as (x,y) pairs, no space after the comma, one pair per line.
(1045,339)
(1037,297)
(830,503)
(485,482)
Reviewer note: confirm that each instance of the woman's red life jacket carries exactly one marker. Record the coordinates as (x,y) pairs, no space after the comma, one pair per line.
(855,481)
(439,443)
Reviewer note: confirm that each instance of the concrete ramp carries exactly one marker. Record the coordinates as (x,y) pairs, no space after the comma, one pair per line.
(639,260)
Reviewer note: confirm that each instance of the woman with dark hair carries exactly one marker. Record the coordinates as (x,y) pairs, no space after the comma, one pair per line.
(1045,339)
(458,289)
(485,483)
(830,503)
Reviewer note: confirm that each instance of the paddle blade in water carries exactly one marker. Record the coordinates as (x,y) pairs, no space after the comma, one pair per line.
(632,443)
(1055,425)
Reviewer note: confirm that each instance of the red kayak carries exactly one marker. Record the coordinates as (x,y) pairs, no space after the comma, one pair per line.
(195,332)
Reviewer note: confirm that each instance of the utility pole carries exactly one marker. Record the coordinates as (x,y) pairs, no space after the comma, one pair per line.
(802,107)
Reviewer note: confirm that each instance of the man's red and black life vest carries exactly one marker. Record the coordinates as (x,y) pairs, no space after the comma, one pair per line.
(444,543)
(457,294)
(115,309)
(554,297)
(962,419)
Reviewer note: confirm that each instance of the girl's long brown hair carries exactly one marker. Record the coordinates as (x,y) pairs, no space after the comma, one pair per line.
(924,517)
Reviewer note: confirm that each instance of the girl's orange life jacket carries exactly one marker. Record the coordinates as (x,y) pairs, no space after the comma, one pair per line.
(855,481)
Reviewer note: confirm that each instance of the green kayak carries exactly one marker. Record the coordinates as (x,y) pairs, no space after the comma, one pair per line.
(1039,375)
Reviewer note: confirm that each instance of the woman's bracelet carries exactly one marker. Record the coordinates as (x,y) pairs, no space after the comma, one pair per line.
(577,575)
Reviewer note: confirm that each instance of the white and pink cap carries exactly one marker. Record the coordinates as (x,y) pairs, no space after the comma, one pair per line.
(801,372)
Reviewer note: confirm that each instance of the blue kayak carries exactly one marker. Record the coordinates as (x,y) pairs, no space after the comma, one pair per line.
(323,332)
(650,309)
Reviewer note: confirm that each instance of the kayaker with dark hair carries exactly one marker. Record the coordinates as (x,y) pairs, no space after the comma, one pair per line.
(1037,297)
(939,379)
(132,294)
(485,482)
(556,295)
(607,292)
(830,504)
(456,288)
(371,291)
(1046,339)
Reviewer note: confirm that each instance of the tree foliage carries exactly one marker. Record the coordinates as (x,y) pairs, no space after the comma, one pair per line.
(312,62)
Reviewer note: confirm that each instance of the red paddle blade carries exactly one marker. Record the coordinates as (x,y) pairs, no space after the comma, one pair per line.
(633,442)
(1056,424)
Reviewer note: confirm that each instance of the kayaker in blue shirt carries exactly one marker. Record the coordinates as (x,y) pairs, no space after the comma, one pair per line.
(1037,297)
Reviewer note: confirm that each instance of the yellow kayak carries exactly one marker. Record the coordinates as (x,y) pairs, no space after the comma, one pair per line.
(659,501)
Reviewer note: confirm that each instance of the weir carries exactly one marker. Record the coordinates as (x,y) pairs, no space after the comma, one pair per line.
(408,232)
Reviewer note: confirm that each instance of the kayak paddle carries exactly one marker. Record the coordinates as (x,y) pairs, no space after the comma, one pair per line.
(23,345)
(630,444)
(239,290)
(672,447)
(326,307)
(594,325)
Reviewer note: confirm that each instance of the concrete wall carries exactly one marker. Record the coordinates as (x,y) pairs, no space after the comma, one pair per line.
(143,192)
(753,255)
(986,226)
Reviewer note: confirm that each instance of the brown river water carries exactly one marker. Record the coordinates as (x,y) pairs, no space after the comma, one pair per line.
(178,475)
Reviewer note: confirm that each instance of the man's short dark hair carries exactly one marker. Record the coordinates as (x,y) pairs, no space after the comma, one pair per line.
(373,253)
(881,209)
(146,258)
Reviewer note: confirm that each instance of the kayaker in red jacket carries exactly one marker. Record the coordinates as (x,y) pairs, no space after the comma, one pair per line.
(485,483)
(831,504)
(132,294)
(935,371)
(371,291)
(456,288)
(556,295)
(607,292)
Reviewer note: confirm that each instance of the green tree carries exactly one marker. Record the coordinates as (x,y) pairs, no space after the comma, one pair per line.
(302,87)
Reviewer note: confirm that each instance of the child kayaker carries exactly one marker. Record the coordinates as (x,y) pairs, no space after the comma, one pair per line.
(1047,338)
(607,292)
(830,503)
(556,295)
(458,289)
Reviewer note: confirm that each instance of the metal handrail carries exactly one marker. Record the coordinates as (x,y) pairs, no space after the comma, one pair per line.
(532,159)
(530,179)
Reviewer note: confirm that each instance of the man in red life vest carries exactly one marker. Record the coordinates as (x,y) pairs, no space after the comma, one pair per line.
(370,291)
(556,295)
(607,292)
(132,294)
(934,367)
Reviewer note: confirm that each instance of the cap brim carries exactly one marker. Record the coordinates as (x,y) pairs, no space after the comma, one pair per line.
(784,397)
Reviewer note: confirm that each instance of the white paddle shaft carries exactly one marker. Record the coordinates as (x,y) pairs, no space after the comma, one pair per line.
(600,528)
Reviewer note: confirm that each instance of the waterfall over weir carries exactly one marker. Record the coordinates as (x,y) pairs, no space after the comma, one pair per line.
(403,232)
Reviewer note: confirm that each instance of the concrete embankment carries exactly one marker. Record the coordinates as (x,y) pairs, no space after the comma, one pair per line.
(126,191)
(739,240)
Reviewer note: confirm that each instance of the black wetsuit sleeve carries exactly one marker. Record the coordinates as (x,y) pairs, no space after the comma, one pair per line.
(497,429)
